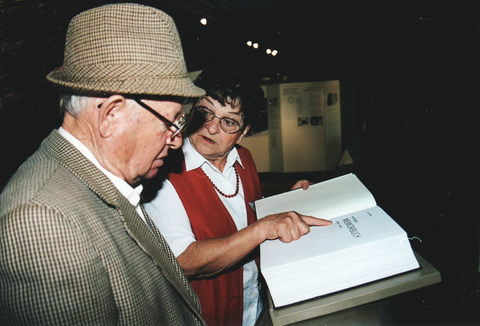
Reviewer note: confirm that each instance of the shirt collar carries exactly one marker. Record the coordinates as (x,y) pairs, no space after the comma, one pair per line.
(132,194)
(194,159)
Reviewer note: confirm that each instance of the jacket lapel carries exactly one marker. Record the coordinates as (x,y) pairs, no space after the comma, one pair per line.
(154,245)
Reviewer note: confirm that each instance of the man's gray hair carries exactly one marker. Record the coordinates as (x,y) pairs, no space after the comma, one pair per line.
(73,104)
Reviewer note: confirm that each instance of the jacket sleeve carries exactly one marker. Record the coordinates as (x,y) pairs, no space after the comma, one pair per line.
(50,273)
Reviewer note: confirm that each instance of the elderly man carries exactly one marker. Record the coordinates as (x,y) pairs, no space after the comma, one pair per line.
(75,246)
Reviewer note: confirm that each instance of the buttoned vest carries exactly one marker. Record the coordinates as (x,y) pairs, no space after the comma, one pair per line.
(221,297)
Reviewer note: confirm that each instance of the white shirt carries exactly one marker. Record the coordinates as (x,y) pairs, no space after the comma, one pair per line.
(132,194)
(167,212)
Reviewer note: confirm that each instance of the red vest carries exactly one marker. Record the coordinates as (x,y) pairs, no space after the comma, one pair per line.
(221,297)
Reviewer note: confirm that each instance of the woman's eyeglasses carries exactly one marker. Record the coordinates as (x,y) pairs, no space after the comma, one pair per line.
(228,125)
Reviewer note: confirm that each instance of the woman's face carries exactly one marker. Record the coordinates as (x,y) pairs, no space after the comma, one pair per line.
(210,140)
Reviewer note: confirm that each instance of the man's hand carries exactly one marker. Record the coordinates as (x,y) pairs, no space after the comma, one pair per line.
(288,226)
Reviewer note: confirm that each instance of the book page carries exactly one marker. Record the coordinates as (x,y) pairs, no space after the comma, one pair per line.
(349,231)
(357,248)
(328,199)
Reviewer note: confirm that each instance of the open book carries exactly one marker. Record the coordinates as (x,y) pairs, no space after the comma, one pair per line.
(362,245)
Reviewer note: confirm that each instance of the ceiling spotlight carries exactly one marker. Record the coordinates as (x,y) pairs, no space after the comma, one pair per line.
(249,43)
(255,45)
(274,52)
(269,51)
(203,21)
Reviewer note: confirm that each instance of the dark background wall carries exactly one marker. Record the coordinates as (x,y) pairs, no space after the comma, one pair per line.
(415,68)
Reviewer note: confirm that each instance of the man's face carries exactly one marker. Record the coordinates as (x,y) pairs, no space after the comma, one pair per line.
(210,140)
(146,139)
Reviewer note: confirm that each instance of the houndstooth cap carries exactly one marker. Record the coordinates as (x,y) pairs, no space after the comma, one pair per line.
(124,48)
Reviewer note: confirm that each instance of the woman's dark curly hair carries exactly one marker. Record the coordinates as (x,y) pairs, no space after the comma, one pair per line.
(233,87)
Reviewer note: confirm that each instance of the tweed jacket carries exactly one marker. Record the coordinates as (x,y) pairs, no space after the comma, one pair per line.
(74,251)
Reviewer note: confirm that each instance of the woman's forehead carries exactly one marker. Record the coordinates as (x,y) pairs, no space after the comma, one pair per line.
(230,106)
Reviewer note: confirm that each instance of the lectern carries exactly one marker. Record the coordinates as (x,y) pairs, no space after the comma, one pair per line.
(351,303)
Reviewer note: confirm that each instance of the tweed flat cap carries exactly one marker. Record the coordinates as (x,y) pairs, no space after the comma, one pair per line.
(124,48)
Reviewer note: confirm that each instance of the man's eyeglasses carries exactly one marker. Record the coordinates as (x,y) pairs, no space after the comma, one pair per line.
(177,125)
(228,125)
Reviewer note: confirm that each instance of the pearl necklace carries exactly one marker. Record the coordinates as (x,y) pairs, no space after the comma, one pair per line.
(221,192)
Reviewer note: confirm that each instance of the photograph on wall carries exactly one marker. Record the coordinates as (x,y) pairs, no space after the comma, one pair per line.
(316,121)
(303,121)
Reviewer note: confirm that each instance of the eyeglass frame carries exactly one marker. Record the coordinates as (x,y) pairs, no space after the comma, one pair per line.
(194,107)
(182,119)
(168,123)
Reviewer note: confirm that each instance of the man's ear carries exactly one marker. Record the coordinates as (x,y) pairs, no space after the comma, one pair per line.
(110,114)
(244,132)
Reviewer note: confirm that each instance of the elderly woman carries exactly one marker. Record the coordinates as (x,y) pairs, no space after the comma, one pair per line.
(204,209)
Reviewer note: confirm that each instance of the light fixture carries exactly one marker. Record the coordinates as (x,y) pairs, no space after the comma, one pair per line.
(274,52)
(203,21)
(255,45)
(268,51)
(249,43)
